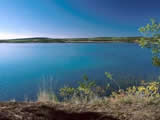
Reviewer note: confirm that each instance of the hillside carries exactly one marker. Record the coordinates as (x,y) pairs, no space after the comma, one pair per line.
(70,40)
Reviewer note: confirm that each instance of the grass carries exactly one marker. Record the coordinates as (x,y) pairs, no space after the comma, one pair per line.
(47,96)
(88,91)
(141,102)
(122,105)
(46,90)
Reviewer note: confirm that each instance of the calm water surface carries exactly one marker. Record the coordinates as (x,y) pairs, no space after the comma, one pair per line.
(23,67)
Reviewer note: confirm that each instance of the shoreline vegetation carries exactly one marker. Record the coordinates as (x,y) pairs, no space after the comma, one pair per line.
(72,40)
(88,101)
(136,102)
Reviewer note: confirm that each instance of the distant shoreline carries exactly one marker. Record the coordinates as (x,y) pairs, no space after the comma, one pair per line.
(73,40)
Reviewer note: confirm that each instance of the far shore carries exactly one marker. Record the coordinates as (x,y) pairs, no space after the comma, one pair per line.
(73,40)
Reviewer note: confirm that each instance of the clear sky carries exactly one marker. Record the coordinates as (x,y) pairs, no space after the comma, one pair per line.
(75,18)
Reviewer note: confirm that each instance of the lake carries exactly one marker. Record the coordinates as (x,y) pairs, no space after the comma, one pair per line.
(24,67)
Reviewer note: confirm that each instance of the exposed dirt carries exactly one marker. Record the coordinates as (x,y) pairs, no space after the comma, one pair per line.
(50,111)
(40,111)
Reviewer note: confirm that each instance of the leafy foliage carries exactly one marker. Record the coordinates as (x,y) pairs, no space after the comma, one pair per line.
(84,90)
(86,86)
(151,40)
(67,92)
(87,89)
(110,77)
(150,89)
(88,92)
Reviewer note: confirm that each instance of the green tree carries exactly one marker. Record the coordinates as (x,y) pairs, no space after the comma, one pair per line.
(151,40)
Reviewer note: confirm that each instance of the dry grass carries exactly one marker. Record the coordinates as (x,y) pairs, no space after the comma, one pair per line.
(127,107)
(135,103)
(45,96)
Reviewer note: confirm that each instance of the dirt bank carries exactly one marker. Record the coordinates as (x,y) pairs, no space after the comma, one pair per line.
(48,111)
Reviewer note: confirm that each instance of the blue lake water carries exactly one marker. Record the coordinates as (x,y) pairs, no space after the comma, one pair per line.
(23,67)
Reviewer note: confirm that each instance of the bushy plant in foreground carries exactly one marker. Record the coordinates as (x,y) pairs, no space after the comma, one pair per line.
(147,92)
(67,92)
(151,89)
(88,91)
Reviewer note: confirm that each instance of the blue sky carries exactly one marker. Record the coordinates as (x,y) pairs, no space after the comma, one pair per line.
(75,18)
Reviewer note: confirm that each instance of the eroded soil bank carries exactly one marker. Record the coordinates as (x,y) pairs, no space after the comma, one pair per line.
(50,111)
